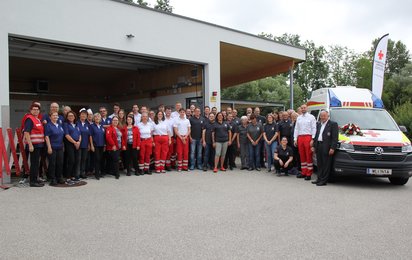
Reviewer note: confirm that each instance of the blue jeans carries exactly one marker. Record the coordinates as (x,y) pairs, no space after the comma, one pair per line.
(270,151)
(254,156)
(196,148)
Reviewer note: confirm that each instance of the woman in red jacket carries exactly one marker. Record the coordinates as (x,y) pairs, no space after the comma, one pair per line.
(115,142)
(132,137)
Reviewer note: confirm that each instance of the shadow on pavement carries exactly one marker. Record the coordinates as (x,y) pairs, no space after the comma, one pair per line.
(365,182)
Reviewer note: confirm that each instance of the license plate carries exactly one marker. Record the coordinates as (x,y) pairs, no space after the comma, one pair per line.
(379,171)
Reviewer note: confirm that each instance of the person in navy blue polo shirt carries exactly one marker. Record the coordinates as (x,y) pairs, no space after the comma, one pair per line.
(54,134)
(54,107)
(73,137)
(83,126)
(98,134)
(105,122)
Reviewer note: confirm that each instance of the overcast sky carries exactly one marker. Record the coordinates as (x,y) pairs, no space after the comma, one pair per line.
(351,23)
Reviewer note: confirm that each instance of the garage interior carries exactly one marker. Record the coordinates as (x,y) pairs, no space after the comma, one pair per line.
(50,71)
(89,77)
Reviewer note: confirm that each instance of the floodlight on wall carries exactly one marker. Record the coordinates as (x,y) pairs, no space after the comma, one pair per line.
(129,36)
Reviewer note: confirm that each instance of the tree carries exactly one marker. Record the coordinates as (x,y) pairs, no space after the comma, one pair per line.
(363,71)
(270,89)
(164,5)
(398,89)
(138,2)
(313,73)
(403,115)
(142,3)
(341,61)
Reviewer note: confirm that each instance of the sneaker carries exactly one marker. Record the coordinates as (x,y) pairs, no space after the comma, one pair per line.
(258,169)
(179,170)
(24,181)
(222,169)
(215,170)
(205,169)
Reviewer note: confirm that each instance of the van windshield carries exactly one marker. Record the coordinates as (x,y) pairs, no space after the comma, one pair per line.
(370,119)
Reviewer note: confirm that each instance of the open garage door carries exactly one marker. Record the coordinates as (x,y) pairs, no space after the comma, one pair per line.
(83,76)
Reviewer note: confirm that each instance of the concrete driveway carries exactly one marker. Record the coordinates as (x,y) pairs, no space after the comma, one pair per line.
(196,215)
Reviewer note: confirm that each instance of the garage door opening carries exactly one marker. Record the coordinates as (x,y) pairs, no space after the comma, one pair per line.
(91,77)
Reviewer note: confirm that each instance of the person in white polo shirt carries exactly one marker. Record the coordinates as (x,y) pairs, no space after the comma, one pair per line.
(182,131)
(303,136)
(146,145)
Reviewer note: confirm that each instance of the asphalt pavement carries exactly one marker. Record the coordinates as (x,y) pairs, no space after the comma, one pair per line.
(197,215)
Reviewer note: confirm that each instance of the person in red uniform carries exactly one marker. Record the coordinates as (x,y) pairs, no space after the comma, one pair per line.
(132,136)
(115,142)
(25,176)
(146,145)
(162,141)
(182,131)
(171,154)
(34,137)
(304,134)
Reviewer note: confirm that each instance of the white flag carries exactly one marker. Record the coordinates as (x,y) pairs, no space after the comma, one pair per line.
(378,69)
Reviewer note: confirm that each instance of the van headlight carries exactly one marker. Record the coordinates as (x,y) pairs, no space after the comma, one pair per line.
(346,147)
(407,148)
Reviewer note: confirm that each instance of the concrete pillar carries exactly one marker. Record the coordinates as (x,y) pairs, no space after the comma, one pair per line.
(4,89)
(212,81)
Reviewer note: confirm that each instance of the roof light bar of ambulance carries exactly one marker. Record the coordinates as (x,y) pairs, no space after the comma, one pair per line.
(334,100)
(377,102)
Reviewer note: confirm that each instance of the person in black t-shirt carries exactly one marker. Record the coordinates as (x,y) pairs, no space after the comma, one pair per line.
(270,137)
(231,149)
(285,127)
(209,155)
(283,157)
(222,137)
(196,123)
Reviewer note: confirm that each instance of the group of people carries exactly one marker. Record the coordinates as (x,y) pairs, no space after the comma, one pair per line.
(145,141)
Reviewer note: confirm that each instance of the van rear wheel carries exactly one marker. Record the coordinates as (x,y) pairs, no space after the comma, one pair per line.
(398,180)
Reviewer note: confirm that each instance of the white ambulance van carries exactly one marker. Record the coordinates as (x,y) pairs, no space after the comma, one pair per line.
(382,151)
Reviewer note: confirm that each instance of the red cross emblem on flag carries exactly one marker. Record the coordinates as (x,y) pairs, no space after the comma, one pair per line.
(371,133)
(380,55)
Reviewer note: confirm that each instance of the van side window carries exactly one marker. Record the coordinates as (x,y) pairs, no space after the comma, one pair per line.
(315,113)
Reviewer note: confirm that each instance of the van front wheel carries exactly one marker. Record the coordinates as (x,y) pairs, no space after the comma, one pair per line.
(398,180)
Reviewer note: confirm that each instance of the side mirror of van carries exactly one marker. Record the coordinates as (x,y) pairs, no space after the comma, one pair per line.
(403,129)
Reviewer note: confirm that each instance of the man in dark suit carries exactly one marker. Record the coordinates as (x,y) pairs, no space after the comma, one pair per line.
(325,143)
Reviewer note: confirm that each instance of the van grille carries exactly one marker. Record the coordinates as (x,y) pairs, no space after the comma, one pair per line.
(371,149)
(374,157)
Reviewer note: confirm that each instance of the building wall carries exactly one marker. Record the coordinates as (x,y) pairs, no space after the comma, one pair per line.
(105,24)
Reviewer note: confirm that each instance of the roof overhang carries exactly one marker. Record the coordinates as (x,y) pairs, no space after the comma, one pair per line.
(240,64)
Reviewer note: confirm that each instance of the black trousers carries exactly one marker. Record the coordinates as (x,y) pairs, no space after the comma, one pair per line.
(324,162)
(230,156)
(34,164)
(83,159)
(55,169)
(73,161)
(104,166)
(296,156)
(283,168)
(90,162)
(113,162)
(130,156)
(98,155)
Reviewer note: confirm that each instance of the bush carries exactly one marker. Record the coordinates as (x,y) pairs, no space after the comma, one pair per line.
(403,116)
